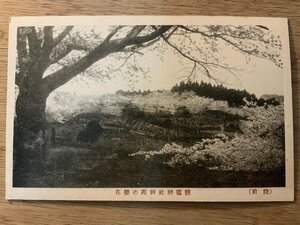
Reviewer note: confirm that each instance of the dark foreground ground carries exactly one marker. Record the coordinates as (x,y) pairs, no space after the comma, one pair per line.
(106,162)
(66,166)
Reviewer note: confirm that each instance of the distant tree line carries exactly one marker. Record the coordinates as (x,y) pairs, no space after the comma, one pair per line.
(270,101)
(234,97)
(130,93)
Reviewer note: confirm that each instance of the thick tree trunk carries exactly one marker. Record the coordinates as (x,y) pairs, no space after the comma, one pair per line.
(30,120)
(30,110)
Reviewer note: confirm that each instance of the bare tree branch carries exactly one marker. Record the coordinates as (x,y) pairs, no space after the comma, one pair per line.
(193,71)
(33,43)
(61,36)
(124,63)
(196,62)
(56,56)
(134,32)
(48,35)
(145,45)
(146,38)
(28,54)
(60,77)
(172,32)
(222,37)
(249,52)
(107,39)
(21,48)
(61,55)
(132,50)
(184,55)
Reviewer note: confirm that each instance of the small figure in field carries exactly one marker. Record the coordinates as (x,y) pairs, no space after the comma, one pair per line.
(91,133)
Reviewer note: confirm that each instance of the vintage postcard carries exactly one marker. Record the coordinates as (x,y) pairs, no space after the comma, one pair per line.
(149,108)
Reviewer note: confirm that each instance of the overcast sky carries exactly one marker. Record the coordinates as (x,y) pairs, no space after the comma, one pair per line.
(259,76)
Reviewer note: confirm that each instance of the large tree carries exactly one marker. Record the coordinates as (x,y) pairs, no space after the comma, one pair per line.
(39,48)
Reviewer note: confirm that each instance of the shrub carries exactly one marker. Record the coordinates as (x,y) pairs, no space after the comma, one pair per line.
(91,133)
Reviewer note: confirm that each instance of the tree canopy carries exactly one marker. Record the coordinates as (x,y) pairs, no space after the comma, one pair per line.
(72,50)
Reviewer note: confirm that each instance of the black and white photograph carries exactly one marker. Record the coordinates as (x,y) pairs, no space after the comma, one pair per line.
(149,108)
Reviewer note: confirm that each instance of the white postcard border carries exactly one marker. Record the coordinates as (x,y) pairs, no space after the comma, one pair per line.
(110,194)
